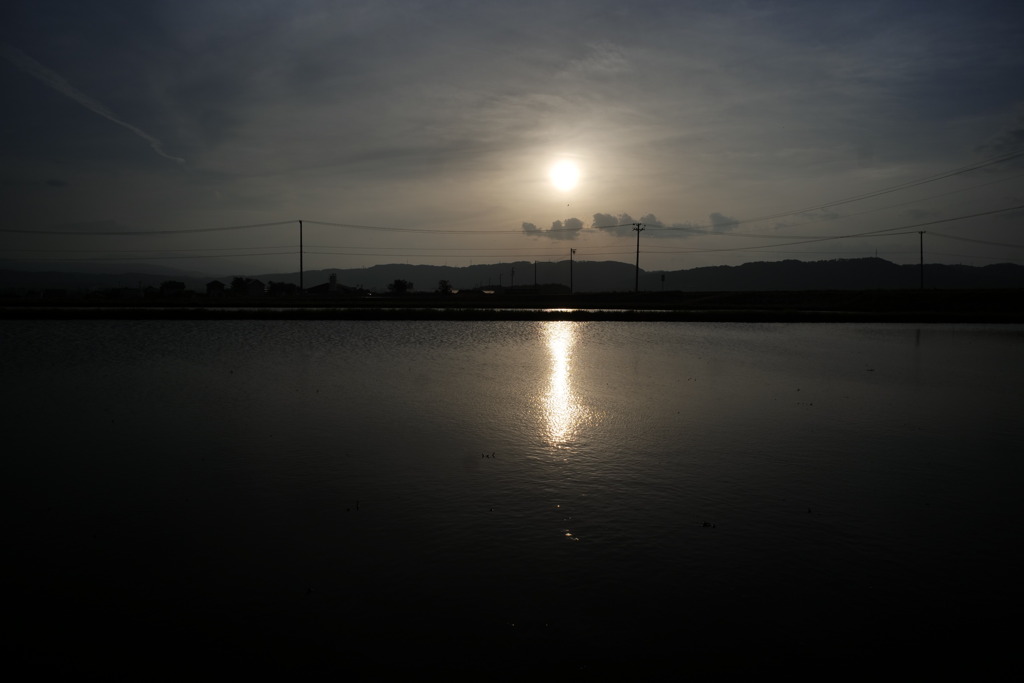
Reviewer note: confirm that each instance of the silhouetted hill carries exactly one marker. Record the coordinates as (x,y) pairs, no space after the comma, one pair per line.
(587,276)
(614,276)
(866,273)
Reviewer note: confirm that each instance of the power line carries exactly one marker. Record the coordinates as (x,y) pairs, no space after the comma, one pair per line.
(471,250)
(876,193)
(886,232)
(164,258)
(708,230)
(452,231)
(444,254)
(434,231)
(871,233)
(142,232)
(143,251)
(838,202)
(968,239)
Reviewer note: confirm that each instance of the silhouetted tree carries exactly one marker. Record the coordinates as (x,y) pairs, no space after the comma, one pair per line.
(172,288)
(400,287)
(444,287)
(246,286)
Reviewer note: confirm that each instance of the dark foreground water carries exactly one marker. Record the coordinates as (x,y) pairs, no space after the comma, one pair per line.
(512,496)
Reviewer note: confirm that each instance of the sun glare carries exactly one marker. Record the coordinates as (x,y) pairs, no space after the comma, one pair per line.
(564,175)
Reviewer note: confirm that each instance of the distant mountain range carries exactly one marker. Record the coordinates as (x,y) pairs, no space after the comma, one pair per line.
(587,276)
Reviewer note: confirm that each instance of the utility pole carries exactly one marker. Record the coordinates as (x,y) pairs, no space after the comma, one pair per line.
(571,252)
(301,288)
(535,275)
(639,228)
(512,284)
(920,237)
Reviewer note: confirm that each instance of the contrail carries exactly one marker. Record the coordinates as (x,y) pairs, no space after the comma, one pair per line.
(57,82)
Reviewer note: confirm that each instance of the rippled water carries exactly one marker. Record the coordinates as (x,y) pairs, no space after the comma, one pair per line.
(503,494)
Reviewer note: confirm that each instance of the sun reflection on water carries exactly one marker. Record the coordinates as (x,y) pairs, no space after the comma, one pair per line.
(562,409)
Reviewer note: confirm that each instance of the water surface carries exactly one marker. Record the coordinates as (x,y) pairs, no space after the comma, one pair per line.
(502,494)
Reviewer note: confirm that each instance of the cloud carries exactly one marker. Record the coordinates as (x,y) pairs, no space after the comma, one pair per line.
(572,224)
(601,62)
(722,223)
(1007,142)
(623,224)
(569,229)
(651,221)
(58,83)
(818,215)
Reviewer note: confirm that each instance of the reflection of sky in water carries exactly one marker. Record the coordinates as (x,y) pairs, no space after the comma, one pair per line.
(562,410)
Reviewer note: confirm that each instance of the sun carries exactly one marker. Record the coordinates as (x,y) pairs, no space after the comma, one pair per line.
(564,175)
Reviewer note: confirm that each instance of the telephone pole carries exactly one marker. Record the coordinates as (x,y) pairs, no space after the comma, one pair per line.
(301,288)
(920,237)
(639,228)
(571,252)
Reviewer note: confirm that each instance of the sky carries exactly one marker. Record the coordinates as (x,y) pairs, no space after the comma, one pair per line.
(196,135)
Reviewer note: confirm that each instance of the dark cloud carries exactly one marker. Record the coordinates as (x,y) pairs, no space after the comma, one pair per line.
(1009,141)
(621,224)
(569,229)
(722,223)
(651,221)
(607,220)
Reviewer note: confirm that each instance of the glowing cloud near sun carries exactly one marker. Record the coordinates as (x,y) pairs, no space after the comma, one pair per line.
(564,175)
